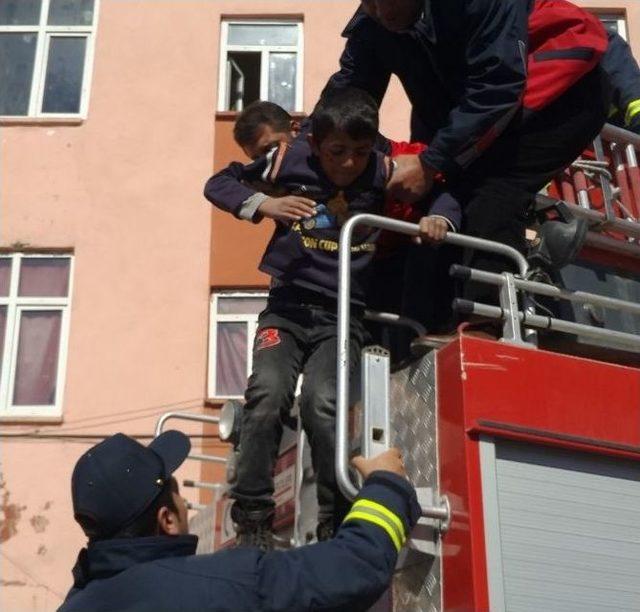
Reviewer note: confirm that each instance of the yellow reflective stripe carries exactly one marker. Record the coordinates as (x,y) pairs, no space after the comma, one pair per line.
(395,520)
(632,110)
(370,517)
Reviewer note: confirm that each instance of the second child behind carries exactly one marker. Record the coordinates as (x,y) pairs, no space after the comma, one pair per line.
(336,174)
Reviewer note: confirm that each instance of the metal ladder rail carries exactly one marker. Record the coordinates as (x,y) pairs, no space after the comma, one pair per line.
(442,512)
(389,318)
(200,418)
(630,341)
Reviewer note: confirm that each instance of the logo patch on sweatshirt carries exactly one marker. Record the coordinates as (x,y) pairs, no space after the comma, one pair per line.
(267,338)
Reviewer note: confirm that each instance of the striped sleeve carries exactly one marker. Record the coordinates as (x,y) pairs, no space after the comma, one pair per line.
(377,514)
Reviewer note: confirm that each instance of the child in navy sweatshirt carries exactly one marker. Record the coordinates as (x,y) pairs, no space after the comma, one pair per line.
(310,187)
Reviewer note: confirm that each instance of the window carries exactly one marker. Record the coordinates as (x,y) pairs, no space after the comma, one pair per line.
(614,23)
(46,48)
(233,324)
(260,60)
(34,328)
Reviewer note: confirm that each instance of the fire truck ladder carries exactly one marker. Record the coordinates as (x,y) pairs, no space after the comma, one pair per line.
(198,418)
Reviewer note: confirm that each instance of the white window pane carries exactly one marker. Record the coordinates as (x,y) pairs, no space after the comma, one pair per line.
(20,12)
(44,277)
(5,276)
(243,79)
(63,82)
(37,360)
(70,12)
(3,329)
(241,305)
(282,80)
(263,34)
(17,52)
(231,359)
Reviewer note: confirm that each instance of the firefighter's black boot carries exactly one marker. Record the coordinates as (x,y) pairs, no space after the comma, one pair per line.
(254,527)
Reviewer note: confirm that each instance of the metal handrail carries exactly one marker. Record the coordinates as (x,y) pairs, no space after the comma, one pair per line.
(580,297)
(620,135)
(200,418)
(550,323)
(344,311)
(199,484)
(389,318)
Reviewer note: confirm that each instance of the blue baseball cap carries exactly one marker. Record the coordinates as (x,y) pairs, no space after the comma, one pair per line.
(114,482)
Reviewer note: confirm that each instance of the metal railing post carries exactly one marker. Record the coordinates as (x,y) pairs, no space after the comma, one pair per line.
(509,302)
(199,418)
(344,313)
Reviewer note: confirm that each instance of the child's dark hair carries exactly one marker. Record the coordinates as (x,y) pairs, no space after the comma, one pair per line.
(256,114)
(348,110)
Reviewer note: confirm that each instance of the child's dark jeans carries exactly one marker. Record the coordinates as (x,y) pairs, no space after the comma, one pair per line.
(296,334)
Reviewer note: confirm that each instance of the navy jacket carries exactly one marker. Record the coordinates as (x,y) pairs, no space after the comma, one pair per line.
(624,76)
(462,65)
(162,573)
(305,253)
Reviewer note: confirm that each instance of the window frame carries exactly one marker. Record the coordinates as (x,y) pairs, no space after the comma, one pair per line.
(251,320)
(223,85)
(620,19)
(44,33)
(15,306)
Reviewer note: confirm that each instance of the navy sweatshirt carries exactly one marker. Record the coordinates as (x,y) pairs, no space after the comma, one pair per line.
(305,253)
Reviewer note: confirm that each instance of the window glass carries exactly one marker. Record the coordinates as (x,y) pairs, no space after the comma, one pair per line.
(20,12)
(282,80)
(231,359)
(17,53)
(44,277)
(37,359)
(63,82)
(5,276)
(70,12)
(241,305)
(263,34)
(244,79)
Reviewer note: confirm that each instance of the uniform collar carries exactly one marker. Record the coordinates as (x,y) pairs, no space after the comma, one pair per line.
(109,557)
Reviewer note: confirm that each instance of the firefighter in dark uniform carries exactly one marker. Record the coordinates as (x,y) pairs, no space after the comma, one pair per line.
(141,557)
(502,106)
(624,76)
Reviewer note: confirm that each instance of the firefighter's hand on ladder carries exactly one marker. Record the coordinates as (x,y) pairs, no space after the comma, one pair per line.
(389,461)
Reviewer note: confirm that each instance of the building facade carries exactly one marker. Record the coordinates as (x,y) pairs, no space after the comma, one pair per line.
(122,294)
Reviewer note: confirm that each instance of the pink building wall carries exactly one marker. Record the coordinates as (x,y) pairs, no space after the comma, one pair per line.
(123,188)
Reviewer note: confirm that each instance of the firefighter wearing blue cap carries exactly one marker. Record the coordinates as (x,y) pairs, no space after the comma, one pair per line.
(141,557)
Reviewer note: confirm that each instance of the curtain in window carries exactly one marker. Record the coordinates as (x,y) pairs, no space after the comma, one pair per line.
(44,277)
(37,360)
(5,276)
(231,359)
(3,328)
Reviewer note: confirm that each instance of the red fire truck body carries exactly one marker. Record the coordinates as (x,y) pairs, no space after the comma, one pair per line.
(529,398)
